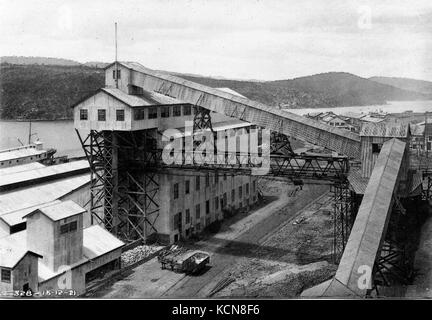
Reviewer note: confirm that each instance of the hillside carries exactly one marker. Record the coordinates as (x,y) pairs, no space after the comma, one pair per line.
(47,91)
(38,60)
(44,92)
(406,83)
(331,89)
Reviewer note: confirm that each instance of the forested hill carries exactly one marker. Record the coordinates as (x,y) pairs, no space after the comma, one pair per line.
(47,91)
(44,92)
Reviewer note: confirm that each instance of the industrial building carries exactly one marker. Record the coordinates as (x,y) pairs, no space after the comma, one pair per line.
(56,252)
(180,204)
(47,241)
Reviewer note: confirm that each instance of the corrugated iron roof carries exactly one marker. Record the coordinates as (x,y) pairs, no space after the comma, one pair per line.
(417,130)
(367,232)
(59,211)
(59,170)
(40,194)
(98,241)
(20,168)
(16,217)
(357,182)
(12,249)
(234,98)
(389,129)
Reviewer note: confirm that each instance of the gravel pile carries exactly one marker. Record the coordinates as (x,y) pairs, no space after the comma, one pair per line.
(138,253)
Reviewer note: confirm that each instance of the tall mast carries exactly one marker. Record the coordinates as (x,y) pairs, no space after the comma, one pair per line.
(116,64)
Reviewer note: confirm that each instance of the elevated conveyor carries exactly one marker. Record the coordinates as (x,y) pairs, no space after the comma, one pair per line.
(368,233)
(292,125)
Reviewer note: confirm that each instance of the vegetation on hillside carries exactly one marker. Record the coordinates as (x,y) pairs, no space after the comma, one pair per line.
(407,84)
(44,92)
(34,91)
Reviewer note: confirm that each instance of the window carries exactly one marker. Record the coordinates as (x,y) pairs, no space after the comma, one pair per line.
(217,203)
(207,180)
(197,182)
(216,178)
(240,192)
(118,74)
(177,111)
(376,147)
(197,211)
(101,115)
(232,195)
(176,190)
(176,221)
(73,226)
(253,186)
(187,186)
(247,188)
(224,201)
(207,206)
(83,114)
(139,114)
(165,112)
(187,215)
(68,227)
(64,228)
(187,110)
(225,176)
(5,275)
(120,115)
(152,113)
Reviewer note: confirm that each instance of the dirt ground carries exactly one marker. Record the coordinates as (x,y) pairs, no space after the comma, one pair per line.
(275,250)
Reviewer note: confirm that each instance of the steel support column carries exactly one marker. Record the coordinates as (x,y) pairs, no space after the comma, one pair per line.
(343,217)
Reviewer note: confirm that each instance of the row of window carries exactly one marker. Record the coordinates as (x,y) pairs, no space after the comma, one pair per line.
(101,114)
(38,156)
(68,227)
(177,225)
(139,113)
(166,112)
(207,184)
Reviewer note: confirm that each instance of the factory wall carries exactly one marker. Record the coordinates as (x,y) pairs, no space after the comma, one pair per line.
(183,212)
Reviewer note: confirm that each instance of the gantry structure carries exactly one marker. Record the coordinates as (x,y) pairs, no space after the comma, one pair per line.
(125,159)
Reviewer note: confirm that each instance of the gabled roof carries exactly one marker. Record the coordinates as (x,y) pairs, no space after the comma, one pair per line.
(43,174)
(389,129)
(143,100)
(59,211)
(40,194)
(13,248)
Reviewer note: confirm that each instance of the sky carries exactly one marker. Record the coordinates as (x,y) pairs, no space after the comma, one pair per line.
(240,39)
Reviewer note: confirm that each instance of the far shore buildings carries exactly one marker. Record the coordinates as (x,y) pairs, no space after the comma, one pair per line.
(351,121)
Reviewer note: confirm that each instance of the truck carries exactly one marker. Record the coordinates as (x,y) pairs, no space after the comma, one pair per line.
(182,260)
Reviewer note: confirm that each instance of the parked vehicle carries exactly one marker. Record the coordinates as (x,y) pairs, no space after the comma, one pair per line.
(182,260)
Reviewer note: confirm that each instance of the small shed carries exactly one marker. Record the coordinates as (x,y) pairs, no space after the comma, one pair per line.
(372,137)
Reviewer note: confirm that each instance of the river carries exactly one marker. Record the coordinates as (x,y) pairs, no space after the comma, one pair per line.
(61,135)
(391,107)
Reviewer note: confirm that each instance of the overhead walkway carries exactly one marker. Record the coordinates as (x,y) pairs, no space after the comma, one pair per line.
(292,125)
(368,233)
